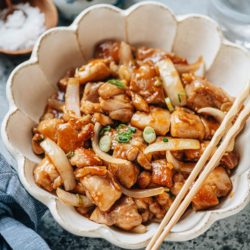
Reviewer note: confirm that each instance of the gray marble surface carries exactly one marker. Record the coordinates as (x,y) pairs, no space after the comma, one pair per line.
(227,234)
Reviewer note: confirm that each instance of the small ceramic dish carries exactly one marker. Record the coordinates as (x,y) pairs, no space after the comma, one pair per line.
(150,24)
(51,19)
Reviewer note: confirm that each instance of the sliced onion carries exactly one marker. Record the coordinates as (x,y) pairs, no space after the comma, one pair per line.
(140,229)
(72,96)
(104,156)
(141,193)
(61,163)
(219,116)
(171,159)
(171,82)
(173,144)
(216,113)
(56,104)
(186,68)
(75,200)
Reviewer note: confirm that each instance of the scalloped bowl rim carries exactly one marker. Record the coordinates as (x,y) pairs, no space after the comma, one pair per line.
(52,203)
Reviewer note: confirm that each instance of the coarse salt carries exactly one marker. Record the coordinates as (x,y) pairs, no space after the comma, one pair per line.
(20,31)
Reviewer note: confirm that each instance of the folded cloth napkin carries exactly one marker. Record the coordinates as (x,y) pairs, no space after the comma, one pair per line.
(20,214)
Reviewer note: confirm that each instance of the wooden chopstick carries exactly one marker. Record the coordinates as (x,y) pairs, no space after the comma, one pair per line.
(200,164)
(233,132)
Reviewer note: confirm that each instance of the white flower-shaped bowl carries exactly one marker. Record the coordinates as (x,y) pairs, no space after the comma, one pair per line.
(148,23)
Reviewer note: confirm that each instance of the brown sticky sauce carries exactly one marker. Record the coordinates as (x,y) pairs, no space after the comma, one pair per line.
(231,195)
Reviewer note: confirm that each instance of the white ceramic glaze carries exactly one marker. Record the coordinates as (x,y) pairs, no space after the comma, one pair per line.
(147,23)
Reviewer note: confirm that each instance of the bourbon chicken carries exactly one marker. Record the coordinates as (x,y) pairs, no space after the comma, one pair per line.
(118,148)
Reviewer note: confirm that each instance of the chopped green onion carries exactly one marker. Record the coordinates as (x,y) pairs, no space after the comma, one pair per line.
(218,144)
(165,140)
(80,200)
(117,83)
(123,138)
(169,104)
(181,93)
(166,208)
(130,130)
(149,134)
(108,128)
(105,143)
(172,196)
(70,154)
(40,140)
(158,82)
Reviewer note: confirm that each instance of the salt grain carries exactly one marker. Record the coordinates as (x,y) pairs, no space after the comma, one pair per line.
(20,31)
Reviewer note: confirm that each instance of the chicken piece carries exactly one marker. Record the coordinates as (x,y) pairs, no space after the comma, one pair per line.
(95,70)
(201,94)
(108,49)
(210,126)
(79,189)
(101,189)
(139,103)
(62,84)
(89,108)
(176,188)
(186,125)
(146,83)
(155,55)
(158,119)
(126,151)
(45,174)
(123,115)
(153,206)
(107,90)
(72,135)
(126,173)
(164,200)
(37,138)
(115,51)
(102,119)
(144,179)
(117,102)
(85,157)
(48,128)
(229,159)
(123,214)
(219,181)
(162,173)
(205,198)
(91,92)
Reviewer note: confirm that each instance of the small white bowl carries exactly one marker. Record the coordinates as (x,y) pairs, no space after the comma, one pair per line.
(148,23)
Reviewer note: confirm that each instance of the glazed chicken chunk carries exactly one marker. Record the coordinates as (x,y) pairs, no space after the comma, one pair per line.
(101,187)
(186,124)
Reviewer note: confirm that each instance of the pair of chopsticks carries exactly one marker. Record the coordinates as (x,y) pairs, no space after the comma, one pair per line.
(179,206)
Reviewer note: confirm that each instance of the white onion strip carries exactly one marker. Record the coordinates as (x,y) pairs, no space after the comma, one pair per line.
(186,68)
(73,199)
(173,144)
(171,159)
(72,96)
(141,193)
(104,156)
(61,163)
(219,116)
(56,104)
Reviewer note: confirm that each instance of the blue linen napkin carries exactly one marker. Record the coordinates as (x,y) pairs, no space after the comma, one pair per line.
(20,214)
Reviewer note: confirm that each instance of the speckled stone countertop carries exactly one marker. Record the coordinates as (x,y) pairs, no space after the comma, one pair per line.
(229,234)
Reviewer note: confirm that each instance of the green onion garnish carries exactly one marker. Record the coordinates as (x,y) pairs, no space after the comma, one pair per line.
(40,140)
(117,83)
(108,128)
(181,93)
(218,144)
(70,154)
(165,140)
(105,143)
(80,200)
(166,208)
(149,134)
(169,104)
(123,138)
(130,130)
